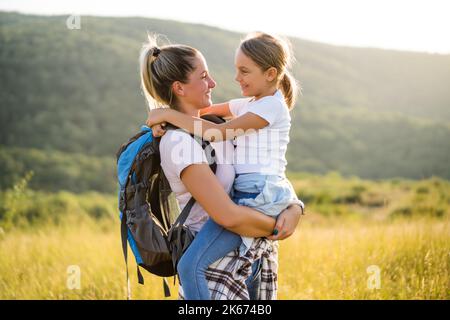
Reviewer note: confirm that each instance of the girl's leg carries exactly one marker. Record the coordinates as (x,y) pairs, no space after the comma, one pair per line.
(254,281)
(211,243)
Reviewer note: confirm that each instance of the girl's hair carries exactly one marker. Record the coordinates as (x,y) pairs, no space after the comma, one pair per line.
(160,67)
(269,51)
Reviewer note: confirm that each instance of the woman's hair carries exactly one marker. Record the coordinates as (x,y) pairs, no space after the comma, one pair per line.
(269,51)
(160,67)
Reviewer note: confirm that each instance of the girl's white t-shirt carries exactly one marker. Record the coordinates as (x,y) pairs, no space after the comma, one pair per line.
(264,150)
(179,150)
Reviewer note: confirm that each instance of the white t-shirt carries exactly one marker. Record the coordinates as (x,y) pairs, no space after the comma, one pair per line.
(179,150)
(264,150)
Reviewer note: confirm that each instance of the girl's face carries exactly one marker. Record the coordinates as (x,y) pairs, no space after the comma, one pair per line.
(251,78)
(197,92)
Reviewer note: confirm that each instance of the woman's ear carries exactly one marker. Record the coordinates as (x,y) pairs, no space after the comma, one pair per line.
(177,88)
(271,74)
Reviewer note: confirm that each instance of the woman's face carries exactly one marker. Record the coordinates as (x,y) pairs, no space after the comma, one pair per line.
(197,92)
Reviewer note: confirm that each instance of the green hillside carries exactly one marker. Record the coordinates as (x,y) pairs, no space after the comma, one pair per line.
(366,112)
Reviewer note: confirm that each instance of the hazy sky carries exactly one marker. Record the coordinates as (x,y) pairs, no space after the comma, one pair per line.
(419,25)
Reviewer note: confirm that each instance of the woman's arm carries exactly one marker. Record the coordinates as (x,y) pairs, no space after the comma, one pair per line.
(205,129)
(220,109)
(217,203)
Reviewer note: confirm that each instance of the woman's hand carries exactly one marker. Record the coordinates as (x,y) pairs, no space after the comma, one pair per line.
(287,222)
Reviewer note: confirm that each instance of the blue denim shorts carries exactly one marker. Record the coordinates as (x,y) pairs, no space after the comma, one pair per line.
(269,194)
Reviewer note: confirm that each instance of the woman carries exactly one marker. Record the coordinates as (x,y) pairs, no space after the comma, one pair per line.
(177,76)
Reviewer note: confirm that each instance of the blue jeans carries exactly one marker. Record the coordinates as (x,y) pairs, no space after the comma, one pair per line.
(254,281)
(211,243)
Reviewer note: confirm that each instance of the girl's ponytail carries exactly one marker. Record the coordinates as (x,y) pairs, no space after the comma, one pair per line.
(289,87)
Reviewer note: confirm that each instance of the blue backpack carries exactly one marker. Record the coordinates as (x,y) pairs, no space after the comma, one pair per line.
(151,221)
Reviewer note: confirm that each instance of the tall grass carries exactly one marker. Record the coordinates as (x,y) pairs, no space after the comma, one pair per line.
(413,257)
(401,227)
(317,262)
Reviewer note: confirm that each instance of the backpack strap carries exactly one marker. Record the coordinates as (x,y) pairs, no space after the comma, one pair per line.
(211,157)
(124,235)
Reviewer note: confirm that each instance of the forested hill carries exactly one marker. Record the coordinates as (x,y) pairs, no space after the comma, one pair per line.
(75,93)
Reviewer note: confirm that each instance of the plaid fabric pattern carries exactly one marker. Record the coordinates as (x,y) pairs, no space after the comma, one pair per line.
(226,277)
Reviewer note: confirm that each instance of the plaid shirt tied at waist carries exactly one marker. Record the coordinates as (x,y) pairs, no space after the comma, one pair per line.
(226,277)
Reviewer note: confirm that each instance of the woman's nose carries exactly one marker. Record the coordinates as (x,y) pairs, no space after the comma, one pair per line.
(212,83)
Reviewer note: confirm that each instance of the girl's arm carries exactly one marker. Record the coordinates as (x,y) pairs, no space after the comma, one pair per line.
(221,110)
(205,129)
(216,202)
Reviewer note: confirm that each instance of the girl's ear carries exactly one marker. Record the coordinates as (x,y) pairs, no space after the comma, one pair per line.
(271,74)
(177,88)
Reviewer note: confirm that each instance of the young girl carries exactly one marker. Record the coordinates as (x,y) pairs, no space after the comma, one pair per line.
(261,125)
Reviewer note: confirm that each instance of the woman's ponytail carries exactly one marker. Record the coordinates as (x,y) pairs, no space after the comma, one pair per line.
(160,67)
(145,60)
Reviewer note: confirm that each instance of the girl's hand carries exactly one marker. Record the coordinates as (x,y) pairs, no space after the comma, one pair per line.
(157,116)
(158,130)
(287,223)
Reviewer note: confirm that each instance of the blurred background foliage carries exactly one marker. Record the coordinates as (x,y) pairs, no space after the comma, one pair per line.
(70,98)
(369,155)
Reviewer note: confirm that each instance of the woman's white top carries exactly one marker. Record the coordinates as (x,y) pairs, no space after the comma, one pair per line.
(178,151)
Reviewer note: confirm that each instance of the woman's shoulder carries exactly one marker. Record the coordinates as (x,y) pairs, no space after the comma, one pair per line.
(177,150)
(175,136)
